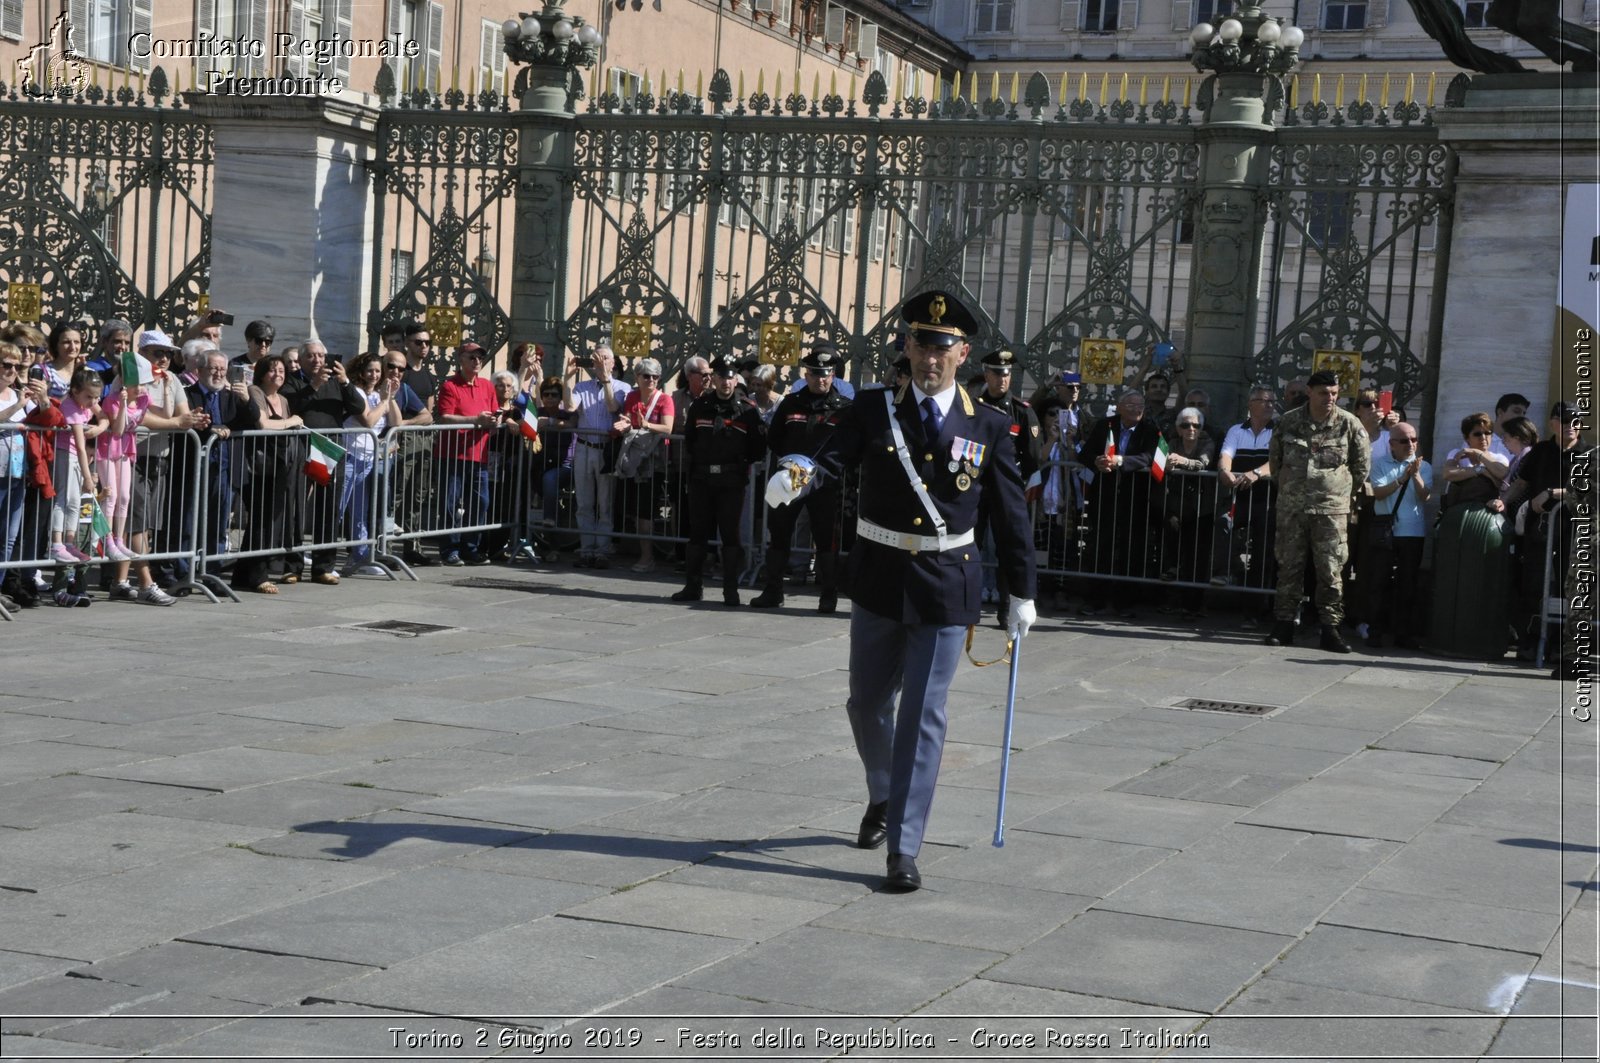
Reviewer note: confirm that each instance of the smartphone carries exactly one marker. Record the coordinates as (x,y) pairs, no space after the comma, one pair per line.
(1385,402)
(236,374)
(36,372)
(217,317)
(1163,355)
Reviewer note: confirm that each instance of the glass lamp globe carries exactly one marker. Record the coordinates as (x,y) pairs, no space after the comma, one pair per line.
(562,30)
(530,27)
(587,34)
(1293,37)
(1202,33)
(511,28)
(1231,29)
(1268,32)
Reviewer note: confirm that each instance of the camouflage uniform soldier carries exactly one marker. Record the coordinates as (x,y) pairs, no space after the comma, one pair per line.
(1320,456)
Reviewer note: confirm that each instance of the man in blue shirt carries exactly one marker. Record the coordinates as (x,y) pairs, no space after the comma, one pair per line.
(1392,548)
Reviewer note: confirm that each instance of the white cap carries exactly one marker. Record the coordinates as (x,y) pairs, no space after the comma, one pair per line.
(154,337)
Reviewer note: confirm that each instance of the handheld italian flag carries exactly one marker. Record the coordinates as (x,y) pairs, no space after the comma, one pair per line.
(325,457)
(529,425)
(1111,443)
(1034,488)
(1158,468)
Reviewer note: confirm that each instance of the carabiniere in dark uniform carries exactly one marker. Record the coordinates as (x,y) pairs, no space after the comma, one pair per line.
(997,370)
(723,435)
(800,425)
(927,461)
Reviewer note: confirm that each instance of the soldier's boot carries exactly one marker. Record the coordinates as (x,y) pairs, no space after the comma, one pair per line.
(1282,633)
(772,596)
(732,566)
(1332,641)
(694,563)
(828,583)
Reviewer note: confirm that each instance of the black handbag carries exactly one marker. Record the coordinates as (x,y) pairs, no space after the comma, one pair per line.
(1380,532)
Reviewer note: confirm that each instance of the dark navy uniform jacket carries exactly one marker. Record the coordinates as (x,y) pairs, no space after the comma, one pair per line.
(1024,429)
(725,435)
(929,587)
(802,422)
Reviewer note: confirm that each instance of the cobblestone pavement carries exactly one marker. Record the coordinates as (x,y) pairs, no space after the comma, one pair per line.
(580,820)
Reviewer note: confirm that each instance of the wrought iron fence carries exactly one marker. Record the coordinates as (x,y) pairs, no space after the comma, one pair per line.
(725,220)
(107,206)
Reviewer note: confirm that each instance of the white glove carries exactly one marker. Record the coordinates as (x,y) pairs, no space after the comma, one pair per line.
(1021,617)
(793,478)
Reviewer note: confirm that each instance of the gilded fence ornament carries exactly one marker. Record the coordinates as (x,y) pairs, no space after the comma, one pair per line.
(630,335)
(444,325)
(780,342)
(1101,361)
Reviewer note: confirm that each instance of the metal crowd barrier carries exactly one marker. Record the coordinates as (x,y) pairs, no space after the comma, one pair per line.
(159,526)
(263,501)
(1187,530)
(1552,606)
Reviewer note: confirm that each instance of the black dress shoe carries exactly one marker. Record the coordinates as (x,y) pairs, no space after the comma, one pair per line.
(1282,634)
(1332,641)
(903,876)
(416,559)
(874,826)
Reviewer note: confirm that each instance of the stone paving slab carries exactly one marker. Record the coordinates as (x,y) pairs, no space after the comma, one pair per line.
(392,919)
(40,802)
(582,966)
(701,910)
(1393,806)
(1252,878)
(1275,1018)
(1131,817)
(104,845)
(542,803)
(843,971)
(17,968)
(1418,969)
(232,974)
(1160,962)
(389,841)
(147,1025)
(221,769)
(280,806)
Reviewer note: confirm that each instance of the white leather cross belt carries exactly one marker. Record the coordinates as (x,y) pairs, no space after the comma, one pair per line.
(874,533)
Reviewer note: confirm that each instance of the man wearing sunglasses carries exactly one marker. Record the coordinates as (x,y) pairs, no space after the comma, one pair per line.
(929,457)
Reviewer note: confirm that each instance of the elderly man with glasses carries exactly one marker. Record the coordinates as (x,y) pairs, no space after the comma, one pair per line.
(1320,455)
(1391,565)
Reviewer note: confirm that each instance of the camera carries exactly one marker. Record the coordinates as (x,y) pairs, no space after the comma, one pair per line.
(217,317)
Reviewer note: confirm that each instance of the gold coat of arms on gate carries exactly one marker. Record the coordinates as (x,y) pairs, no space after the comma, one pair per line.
(444,325)
(780,343)
(630,335)
(1346,365)
(24,302)
(1101,361)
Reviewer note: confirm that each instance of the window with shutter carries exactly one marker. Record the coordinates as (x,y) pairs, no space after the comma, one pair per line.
(256,66)
(11,18)
(994,16)
(1100,16)
(1591,12)
(1128,16)
(833,26)
(304,24)
(205,26)
(396,25)
(880,234)
(867,41)
(492,66)
(1180,15)
(343,18)
(1340,15)
(1071,12)
(435,45)
(1377,14)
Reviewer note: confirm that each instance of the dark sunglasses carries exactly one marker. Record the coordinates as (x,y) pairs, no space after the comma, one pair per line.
(13,366)
(648,376)
(419,341)
(401,368)
(1365,402)
(1480,432)
(37,350)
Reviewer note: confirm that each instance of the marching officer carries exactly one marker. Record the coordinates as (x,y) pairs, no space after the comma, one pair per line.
(928,456)
(723,435)
(799,426)
(997,366)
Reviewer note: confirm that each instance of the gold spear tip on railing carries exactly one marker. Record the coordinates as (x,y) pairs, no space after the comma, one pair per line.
(1383,92)
(1015,78)
(994,85)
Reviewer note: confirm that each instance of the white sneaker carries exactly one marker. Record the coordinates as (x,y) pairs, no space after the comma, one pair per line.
(117,552)
(124,592)
(154,595)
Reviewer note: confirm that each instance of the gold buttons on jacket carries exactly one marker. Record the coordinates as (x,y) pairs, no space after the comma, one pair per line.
(927,457)
(966,557)
(916,522)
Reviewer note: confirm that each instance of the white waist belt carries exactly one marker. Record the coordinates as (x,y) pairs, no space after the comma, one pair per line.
(874,533)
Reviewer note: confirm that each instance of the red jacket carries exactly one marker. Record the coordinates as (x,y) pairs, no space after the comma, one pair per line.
(42,446)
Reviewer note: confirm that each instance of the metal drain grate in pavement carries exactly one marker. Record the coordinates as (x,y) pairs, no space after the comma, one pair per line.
(488,583)
(1238,708)
(409,629)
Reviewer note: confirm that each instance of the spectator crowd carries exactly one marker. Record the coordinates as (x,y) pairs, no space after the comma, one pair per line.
(144,458)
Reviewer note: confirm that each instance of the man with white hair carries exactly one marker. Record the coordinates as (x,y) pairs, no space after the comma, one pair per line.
(598,401)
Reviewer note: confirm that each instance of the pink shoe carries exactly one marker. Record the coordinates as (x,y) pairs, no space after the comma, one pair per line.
(116,551)
(67,554)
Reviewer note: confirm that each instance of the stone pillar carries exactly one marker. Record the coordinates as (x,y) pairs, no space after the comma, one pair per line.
(1521,140)
(1225,278)
(291,219)
(544,208)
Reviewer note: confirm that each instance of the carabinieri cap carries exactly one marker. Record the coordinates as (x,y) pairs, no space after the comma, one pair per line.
(938,319)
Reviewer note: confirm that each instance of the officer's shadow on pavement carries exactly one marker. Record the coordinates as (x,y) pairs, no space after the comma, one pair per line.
(365,839)
(473,583)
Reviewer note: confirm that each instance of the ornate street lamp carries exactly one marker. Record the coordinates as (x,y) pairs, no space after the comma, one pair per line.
(555,46)
(1248,42)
